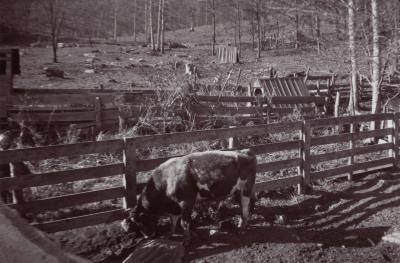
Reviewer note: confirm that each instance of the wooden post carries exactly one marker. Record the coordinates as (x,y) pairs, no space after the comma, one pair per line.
(18,170)
(318,88)
(97,112)
(336,112)
(305,167)
(394,139)
(231,140)
(129,157)
(5,86)
(350,160)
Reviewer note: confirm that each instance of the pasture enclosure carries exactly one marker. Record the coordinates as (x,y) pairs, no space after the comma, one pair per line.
(302,137)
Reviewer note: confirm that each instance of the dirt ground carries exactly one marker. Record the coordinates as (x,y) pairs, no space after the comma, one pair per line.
(337,221)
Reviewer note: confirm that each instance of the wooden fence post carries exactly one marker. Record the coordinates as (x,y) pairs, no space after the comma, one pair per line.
(129,157)
(97,112)
(305,167)
(6,84)
(394,139)
(350,160)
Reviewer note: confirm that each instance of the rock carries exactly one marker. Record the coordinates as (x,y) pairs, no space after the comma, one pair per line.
(392,237)
(60,45)
(90,55)
(157,251)
(89,71)
(141,60)
(176,45)
(54,72)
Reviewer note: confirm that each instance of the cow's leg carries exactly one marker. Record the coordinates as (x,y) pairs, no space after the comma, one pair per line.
(185,221)
(174,222)
(247,200)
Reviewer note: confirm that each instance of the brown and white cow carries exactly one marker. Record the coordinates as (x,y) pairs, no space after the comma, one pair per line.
(175,185)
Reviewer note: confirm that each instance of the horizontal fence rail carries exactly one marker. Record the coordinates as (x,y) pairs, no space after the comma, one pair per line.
(301,141)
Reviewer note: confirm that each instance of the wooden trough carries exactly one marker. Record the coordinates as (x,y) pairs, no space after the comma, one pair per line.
(157,251)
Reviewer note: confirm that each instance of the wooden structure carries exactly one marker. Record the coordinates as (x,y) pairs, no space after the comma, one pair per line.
(131,164)
(283,95)
(227,54)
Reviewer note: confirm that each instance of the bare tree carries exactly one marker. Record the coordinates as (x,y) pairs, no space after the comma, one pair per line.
(376,60)
(258,18)
(239,16)
(159,25)
(213,39)
(55,13)
(162,26)
(151,24)
(134,19)
(353,100)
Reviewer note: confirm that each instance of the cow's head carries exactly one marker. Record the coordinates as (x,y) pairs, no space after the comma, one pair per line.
(140,222)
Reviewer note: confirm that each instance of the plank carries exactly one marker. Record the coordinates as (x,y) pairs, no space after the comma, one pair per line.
(277,183)
(75,91)
(82,221)
(348,152)
(65,176)
(202,135)
(350,119)
(81,116)
(223,110)
(52,99)
(54,203)
(278,165)
(232,99)
(349,136)
(297,99)
(276,147)
(56,151)
(350,168)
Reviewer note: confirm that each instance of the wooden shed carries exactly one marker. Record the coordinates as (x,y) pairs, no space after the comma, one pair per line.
(284,94)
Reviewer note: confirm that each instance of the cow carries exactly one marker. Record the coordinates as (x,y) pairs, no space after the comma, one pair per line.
(175,186)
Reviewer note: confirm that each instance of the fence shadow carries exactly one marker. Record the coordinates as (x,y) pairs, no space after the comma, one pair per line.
(331,219)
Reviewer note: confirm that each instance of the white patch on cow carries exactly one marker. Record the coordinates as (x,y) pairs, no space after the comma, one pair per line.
(239,185)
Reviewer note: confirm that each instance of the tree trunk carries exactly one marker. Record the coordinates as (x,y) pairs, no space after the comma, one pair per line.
(318,32)
(159,25)
(258,17)
(162,26)
(115,18)
(252,31)
(239,18)
(376,63)
(213,41)
(146,21)
(353,99)
(134,19)
(296,19)
(151,25)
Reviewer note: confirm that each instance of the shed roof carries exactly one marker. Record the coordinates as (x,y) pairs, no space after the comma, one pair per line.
(278,87)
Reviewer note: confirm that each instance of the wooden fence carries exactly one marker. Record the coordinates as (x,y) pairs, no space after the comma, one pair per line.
(100,109)
(301,142)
